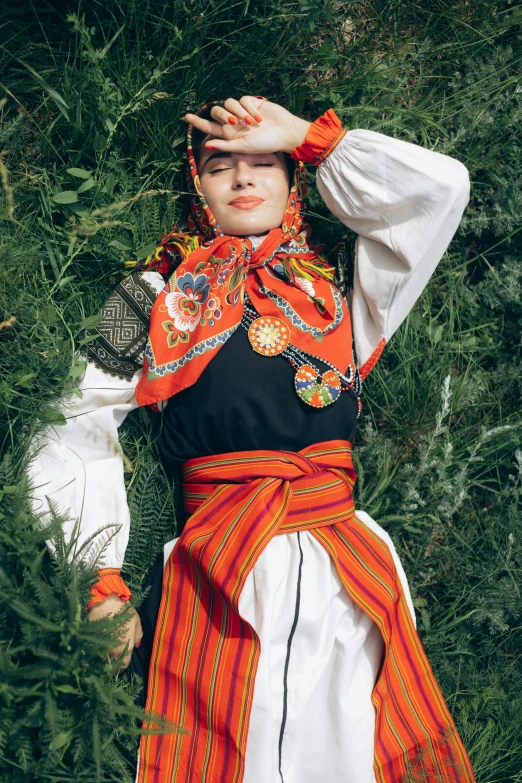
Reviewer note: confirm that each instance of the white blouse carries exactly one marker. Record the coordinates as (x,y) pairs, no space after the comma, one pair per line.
(404,202)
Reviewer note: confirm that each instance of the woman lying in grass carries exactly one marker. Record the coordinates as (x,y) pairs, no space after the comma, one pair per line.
(279,631)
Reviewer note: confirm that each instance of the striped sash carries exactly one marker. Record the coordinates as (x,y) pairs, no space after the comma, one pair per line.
(205,655)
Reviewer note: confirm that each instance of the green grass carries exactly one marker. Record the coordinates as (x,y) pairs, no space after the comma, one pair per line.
(438,450)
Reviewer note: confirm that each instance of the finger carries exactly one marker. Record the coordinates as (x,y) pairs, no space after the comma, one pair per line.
(116,651)
(222,115)
(230,145)
(126,648)
(205,126)
(125,638)
(252,105)
(234,107)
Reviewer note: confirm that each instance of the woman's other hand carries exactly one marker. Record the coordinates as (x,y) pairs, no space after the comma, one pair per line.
(251,125)
(133,631)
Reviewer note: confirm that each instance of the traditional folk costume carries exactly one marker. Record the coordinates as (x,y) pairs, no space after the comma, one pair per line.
(283,638)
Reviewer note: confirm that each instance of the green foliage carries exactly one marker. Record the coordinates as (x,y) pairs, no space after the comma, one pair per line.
(91,151)
(65,715)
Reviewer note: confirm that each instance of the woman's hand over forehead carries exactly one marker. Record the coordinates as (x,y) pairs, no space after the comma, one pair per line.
(251,125)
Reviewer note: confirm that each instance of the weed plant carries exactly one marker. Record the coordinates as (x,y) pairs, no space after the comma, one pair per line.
(92,145)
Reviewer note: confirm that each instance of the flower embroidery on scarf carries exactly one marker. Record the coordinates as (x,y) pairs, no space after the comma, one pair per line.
(174,336)
(306,285)
(184,306)
(213,312)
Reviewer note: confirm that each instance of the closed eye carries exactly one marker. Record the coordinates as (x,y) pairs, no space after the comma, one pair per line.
(224,168)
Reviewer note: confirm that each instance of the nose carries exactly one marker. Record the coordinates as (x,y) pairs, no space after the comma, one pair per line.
(243,175)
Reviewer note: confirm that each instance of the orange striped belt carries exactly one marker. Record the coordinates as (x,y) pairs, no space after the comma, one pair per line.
(309,492)
(205,655)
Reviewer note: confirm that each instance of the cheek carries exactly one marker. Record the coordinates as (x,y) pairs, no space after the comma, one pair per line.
(276,187)
(216,190)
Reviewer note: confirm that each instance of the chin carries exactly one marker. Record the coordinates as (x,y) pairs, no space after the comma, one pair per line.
(244,224)
(243,230)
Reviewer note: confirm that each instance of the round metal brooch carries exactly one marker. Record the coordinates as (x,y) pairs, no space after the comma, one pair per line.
(268,335)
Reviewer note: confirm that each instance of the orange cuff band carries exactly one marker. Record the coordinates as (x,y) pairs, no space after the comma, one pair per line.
(109,582)
(323,136)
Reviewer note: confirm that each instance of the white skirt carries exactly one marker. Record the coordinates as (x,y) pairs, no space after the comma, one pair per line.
(312,718)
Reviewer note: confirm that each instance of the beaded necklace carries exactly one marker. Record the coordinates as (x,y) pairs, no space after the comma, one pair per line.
(269,336)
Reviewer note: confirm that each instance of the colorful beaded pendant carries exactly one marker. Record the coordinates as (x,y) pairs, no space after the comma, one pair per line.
(317,393)
(268,335)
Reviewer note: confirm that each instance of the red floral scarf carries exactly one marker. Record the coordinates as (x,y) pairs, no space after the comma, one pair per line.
(201,305)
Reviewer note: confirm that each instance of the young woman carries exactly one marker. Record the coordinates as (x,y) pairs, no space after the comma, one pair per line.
(280,632)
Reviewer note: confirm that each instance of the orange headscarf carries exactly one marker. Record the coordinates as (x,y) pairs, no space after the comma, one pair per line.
(202,303)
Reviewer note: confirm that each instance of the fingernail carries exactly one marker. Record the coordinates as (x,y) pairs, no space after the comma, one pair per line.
(248,120)
(232,120)
(258,118)
(208,147)
(138,644)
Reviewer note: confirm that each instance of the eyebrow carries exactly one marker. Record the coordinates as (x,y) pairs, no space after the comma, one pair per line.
(223,154)
(220,154)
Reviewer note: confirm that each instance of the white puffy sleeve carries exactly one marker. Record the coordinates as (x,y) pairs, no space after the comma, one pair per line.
(80,465)
(405,202)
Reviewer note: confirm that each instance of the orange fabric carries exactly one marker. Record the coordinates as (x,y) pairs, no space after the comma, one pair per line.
(109,582)
(205,655)
(322,138)
(184,336)
(372,360)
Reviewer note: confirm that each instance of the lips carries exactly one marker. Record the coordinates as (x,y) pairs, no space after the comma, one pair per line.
(246,202)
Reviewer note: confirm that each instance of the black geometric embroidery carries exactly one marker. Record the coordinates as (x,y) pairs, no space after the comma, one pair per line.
(123,331)
(345,265)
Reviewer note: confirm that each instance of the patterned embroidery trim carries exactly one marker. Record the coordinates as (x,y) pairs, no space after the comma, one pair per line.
(296,320)
(134,292)
(345,266)
(118,350)
(333,144)
(289,248)
(370,363)
(196,350)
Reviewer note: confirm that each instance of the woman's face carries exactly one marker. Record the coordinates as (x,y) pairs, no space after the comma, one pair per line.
(247,194)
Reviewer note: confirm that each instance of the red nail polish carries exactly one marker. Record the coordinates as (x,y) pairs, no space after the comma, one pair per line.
(248,121)
(138,644)
(232,120)
(208,147)
(258,118)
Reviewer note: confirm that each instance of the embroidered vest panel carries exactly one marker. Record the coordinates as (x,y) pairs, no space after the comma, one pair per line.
(118,350)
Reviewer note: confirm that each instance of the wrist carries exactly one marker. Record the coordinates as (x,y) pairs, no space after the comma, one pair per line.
(111,601)
(321,139)
(298,134)
(110,584)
